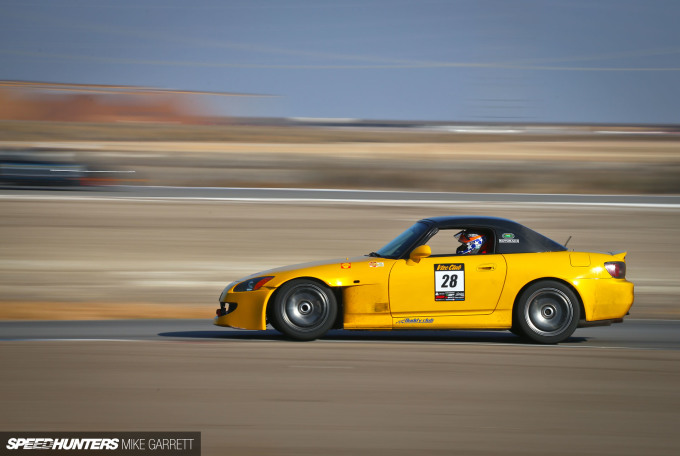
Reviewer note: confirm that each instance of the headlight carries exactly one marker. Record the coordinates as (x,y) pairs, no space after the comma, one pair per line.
(253,284)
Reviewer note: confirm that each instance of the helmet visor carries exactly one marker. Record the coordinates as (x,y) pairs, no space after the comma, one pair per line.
(461,236)
(465,237)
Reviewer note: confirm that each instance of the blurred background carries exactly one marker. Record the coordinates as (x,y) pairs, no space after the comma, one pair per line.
(126,125)
(529,96)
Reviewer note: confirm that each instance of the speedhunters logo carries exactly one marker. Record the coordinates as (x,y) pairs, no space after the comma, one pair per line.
(37,443)
(110,443)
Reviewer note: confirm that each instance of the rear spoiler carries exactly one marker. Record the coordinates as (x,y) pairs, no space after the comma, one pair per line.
(620,255)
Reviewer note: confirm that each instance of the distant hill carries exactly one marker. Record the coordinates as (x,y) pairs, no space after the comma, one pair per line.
(34,103)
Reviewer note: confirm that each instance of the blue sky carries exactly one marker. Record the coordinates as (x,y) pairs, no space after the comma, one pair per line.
(590,61)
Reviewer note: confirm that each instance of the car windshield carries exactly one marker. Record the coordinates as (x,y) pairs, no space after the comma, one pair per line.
(397,247)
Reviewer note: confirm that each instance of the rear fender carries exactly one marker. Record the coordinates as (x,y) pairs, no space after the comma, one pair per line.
(562,281)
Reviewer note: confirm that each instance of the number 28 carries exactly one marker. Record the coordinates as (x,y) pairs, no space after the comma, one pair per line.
(450,281)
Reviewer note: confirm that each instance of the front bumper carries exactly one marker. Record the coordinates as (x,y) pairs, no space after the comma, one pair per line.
(244,310)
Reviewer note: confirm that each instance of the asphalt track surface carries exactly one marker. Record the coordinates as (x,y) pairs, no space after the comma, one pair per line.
(632,334)
(610,390)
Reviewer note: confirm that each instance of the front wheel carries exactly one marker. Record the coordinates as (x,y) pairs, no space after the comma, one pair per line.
(304,309)
(547,312)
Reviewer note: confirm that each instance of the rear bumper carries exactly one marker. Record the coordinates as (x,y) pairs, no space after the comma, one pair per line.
(610,300)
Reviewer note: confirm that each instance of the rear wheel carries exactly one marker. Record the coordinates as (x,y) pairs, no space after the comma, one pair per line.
(304,309)
(547,312)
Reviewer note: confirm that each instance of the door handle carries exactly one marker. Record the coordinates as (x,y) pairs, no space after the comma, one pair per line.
(486,267)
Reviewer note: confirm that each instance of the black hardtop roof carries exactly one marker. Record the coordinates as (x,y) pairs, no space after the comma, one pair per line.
(473,220)
(528,240)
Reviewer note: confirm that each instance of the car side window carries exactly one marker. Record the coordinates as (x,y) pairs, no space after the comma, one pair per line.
(445,243)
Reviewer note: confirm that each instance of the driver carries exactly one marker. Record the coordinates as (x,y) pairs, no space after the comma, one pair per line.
(471,243)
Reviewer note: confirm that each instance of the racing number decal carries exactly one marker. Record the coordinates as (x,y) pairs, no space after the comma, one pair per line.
(449,282)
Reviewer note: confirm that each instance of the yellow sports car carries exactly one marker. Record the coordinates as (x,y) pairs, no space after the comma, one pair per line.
(463,272)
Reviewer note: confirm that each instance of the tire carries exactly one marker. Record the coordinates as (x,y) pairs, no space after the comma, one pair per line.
(304,309)
(271,321)
(516,331)
(547,312)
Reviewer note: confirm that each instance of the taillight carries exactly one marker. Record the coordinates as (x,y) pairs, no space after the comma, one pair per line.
(616,269)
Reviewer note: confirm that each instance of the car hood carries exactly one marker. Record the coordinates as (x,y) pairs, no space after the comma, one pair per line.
(314,264)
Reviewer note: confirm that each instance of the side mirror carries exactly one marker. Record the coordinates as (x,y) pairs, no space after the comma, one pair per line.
(419,253)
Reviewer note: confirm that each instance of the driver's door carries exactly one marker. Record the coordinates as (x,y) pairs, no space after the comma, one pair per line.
(447,285)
